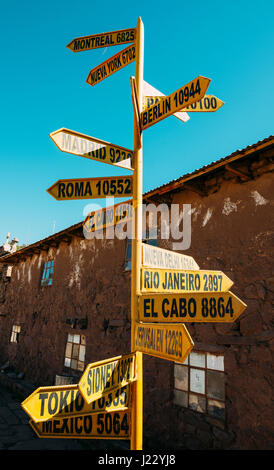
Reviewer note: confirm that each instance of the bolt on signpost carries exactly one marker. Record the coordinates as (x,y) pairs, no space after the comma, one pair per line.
(168,289)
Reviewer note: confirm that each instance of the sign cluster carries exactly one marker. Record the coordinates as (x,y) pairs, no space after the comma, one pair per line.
(173,289)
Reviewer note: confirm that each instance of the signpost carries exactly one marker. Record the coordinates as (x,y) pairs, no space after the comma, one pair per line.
(114,425)
(113,38)
(91,188)
(170,280)
(105,376)
(90,147)
(171,342)
(184,96)
(61,401)
(222,307)
(167,288)
(111,65)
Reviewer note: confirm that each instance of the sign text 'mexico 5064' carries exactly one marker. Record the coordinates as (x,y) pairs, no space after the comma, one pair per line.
(114,425)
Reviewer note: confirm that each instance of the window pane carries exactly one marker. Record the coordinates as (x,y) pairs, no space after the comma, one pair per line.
(215,362)
(68,350)
(70,338)
(73,364)
(197,403)
(197,380)
(215,385)
(83,339)
(216,408)
(82,353)
(67,362)
(76,339)
(80,365)
(181,377)
(75,351)
(180,398)
(197,359)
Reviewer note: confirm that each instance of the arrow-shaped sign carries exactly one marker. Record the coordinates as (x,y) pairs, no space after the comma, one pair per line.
(172,342)
(114,425)
(66,400)
(170,280)
(150,91)
(95,41)
(108,375)
(90,147)
(91,188)
(184,96)
(222,307)
(111,65)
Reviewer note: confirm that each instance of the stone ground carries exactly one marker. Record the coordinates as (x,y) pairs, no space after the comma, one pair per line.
(16,433)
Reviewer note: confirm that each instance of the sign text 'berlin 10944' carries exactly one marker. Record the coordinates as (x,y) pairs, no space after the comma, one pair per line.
(181,98)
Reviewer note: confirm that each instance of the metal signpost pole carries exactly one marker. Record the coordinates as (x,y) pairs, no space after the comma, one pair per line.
(137,409)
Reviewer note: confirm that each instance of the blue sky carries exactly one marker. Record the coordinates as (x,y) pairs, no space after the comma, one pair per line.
(43,88)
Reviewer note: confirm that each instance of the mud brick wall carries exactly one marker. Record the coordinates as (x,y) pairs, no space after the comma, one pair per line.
(232,231)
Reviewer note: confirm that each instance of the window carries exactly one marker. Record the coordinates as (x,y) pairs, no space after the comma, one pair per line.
(75,352)
(47,274)
(149,236)
(200,384)
(15,333)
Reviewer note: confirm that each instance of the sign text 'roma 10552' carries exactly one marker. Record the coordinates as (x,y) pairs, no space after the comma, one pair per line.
(171,342)
(95,41)
(91,188)
(90,147)
(113,425)
(179,99)
(102,377)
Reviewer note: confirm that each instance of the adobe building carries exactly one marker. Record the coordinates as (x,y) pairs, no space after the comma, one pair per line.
(66,303)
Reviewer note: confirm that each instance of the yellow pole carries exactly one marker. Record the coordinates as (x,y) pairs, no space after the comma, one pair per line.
(137,408)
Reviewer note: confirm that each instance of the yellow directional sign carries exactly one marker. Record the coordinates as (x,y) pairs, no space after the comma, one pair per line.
(209,103)
(171,342)
(184,96)
(108,217)
(46,402)
(150,91)
(222,307)
(90,147)
(113,38)
(111,65)
(91,188)
(155,257)
(115,425)
(170,280)
(108,375)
